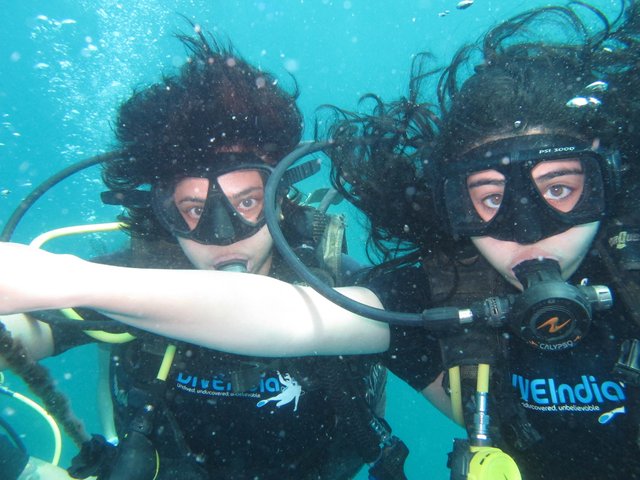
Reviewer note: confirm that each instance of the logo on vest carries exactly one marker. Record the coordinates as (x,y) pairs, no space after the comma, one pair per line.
(589,395)
(221,386)
(291,391)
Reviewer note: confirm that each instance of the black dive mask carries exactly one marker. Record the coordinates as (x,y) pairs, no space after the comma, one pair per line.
(213,206)
(527,188)
(217,205)
(550,314)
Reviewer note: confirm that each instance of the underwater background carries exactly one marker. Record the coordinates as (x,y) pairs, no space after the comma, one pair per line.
(65,65)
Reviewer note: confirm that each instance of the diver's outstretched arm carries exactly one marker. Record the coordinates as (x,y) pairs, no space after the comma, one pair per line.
(233,312)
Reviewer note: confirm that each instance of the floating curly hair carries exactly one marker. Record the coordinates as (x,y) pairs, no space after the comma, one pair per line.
(217,102)
(375,159)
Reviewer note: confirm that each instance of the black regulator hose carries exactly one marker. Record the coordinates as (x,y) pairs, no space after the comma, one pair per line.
(434,318)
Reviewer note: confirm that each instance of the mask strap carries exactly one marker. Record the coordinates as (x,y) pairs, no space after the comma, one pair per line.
(296,174)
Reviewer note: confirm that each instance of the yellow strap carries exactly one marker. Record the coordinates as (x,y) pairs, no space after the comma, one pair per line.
(330,246)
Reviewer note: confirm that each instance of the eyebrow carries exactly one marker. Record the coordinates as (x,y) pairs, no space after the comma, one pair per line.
(245,192)
(480,183)
(191,199)
(560,173)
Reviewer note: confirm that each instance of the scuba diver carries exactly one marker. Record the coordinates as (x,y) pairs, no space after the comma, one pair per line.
(522,186)
(533,175)
(543,183)
(195,153)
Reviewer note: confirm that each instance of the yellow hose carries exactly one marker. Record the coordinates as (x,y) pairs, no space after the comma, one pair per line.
(74,230)
(49,419)
(456,395)
(167,360)
(483,378)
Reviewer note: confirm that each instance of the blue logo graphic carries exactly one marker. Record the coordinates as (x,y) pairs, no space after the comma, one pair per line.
(269,384)
(544,391)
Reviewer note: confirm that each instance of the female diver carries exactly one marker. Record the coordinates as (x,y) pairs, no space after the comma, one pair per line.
(205,140)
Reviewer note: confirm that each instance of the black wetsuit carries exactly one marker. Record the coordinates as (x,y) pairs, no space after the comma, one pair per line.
(587,419)
(242,417)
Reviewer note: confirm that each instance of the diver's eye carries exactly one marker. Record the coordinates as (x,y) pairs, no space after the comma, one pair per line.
(247,204)
(492,201)
(191,211)
(558,192)
(486,192)
(195,212)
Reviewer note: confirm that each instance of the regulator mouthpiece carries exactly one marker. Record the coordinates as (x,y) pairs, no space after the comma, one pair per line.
(240,267)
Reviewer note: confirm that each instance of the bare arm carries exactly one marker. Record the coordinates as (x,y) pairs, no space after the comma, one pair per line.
(234,312)
(35,336)
(438,397)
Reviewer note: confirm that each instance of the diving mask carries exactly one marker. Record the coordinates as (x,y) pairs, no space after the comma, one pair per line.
(213,206)
(527,188)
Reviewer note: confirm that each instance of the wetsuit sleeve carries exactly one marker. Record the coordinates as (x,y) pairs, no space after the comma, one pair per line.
(65,335)
(414,354)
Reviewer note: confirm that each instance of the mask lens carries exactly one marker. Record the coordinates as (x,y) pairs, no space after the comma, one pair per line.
(213,208)
(244,190)
(486,193)
(560,183)
(189,198)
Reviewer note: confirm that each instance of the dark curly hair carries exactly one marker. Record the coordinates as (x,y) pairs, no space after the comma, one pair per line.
(521,80)
(521,73)
(376,167)
(218,101)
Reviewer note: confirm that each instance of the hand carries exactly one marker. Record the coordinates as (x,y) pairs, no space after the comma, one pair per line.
(32,279)
(95,458)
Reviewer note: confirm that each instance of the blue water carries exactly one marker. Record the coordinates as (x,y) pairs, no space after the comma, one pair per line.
(66,64)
